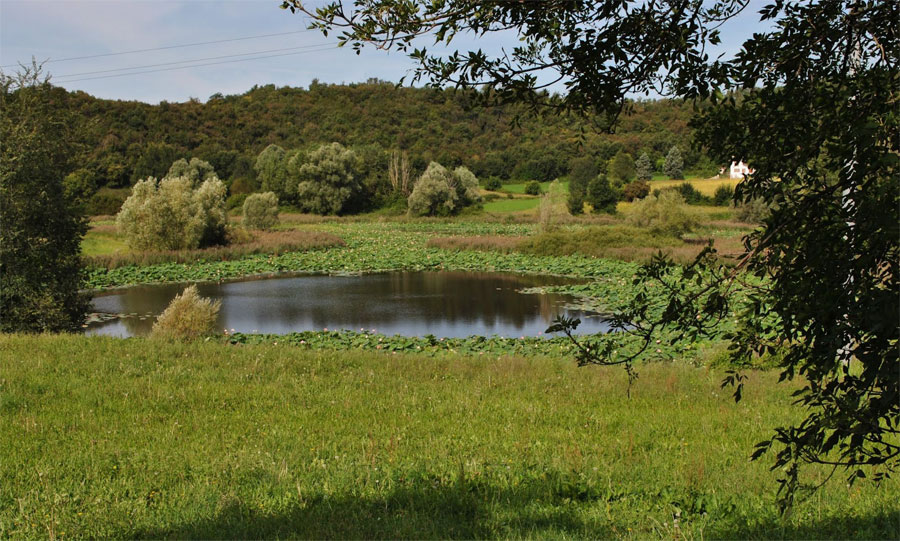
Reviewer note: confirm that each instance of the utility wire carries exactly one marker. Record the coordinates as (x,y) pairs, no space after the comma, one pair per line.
(166,47)
(188,61)
(325,48)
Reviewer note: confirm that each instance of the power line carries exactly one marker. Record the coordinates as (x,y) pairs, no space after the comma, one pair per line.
(166,47)
(325,48)
(188,61)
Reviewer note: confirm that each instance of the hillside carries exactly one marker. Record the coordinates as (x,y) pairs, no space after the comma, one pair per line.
(122,141)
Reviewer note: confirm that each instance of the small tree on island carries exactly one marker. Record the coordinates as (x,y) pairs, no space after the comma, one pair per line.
(674,164)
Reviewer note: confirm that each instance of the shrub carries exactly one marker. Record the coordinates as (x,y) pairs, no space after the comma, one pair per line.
(170,215)
(328,180)
(691,195)
(106,201)
(665,214)
(493,184)
(601,196)
(242,185)
(635,190)
(674,164)
(261,211)
(533,188)
(752,211)
(723,196)
(236,201)
(188,316)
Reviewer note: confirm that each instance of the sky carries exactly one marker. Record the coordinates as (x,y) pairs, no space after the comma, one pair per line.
(57,30)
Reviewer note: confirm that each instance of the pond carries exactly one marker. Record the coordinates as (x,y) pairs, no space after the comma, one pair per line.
(444,304)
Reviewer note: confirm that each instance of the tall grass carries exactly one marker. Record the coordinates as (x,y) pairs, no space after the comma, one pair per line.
(259,242)
(106,438)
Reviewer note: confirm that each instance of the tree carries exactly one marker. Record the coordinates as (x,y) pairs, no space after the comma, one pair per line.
(195,170)
(271,171)
(328,180)
(169,214)
(643,168)
(155,160)
(601,195)
(809,103)
(260,211)
(581,172)
(621,169)
(40,229)
(674,164)
(435,193)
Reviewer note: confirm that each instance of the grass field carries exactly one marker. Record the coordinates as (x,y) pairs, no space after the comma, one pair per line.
(706,186)
(512,205)
(105,438)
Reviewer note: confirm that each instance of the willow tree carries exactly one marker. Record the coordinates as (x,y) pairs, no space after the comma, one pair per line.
(809,102)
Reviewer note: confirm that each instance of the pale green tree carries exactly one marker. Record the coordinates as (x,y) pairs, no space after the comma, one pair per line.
(434,193)
(260,211)
(195,170)
(328,180)
(169,214)
(271,170)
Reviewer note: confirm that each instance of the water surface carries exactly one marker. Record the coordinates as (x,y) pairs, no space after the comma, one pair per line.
(445,304)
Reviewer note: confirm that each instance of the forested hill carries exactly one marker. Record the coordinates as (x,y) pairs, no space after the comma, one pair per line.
(122,141)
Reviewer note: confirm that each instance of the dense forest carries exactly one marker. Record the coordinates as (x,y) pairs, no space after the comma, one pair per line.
(126,140)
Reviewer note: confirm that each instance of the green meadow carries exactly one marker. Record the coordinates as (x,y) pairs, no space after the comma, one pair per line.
(107,438)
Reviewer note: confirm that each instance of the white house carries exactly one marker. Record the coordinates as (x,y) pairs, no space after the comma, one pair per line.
(739,169)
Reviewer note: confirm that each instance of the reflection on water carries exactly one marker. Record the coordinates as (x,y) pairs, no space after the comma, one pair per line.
(445,304)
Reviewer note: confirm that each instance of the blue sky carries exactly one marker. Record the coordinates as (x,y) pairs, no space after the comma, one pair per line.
(58,29)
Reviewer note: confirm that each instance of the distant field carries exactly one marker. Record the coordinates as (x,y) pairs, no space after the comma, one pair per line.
(107,438)
(706,186)
(512,205)
(519,187)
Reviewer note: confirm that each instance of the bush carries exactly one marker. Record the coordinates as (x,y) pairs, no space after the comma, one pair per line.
(189,316)
(691,195)
(601,196)
(665,214)
(635,190)
(106,201)
(170,215)
(328,180)
(533,188)
(753,211)
(493,184)
(261,211)
(236,201)
(723,196)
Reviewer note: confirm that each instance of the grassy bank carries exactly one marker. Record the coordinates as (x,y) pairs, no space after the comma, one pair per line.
(111,438)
